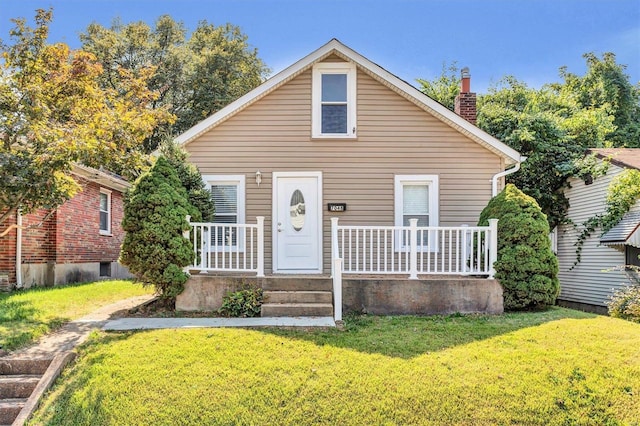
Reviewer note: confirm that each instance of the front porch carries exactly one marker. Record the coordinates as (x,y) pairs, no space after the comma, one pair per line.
(380,270)
(377,295)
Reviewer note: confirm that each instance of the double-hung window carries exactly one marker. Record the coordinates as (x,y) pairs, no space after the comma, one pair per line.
(105,211)
(416,197)
(334,100)
(228,192)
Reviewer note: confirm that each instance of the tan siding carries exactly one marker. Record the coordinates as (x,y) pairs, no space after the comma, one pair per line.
(394,137)
(592,280)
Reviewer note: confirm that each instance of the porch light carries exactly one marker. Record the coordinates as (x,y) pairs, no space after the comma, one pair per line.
(258,178)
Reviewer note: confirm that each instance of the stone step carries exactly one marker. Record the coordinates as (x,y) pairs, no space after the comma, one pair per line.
(18,386)
(10,408)
(297,310)
(24,365)
(298,297)
(297,284)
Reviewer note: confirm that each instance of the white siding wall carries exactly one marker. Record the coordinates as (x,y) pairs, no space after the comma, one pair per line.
(589,281)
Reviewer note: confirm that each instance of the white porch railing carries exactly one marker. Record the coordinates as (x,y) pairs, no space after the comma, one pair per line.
(228,247)
(413,250)
(379,250)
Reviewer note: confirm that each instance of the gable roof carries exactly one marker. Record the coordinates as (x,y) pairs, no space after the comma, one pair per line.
(627,231)
(101,177)
(404,89)
(622,157)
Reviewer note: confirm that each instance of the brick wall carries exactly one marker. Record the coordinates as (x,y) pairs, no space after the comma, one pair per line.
(39,237)
(465,106)
(8,250)
(70,235)
(78,231)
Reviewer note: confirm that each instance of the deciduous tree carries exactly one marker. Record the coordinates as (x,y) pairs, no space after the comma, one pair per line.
(554,125)
(53,113)
(194,76)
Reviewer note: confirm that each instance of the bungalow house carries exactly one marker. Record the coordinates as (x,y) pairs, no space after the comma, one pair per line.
(336,159)
(589,283)
(78,241)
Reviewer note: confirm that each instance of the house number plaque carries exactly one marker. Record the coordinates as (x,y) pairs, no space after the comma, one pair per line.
(337,207)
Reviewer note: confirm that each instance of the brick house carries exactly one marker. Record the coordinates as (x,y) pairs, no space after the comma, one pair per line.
(79,241)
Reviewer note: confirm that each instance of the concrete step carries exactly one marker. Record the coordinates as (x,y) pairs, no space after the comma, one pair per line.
(277,283)
(18,386)
(297,310)
(10,408)
(24,365)
(302,296)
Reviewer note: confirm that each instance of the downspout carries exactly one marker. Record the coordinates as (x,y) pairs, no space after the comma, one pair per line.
(19,249)
(494,179)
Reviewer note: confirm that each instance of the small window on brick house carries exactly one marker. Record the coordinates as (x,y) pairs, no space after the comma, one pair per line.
(105,211)
(105,269)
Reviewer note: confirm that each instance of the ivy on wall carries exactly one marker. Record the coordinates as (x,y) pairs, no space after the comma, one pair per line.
(622,194)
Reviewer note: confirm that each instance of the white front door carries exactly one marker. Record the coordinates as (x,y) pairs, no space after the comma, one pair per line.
(297,219)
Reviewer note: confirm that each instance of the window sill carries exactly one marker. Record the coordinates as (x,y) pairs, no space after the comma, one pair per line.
(334,137)
(106,234)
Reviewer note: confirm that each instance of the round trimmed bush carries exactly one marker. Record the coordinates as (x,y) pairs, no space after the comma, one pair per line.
(154,248)
(526,267)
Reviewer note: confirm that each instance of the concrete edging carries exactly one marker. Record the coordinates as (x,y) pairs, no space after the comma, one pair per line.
(59,362)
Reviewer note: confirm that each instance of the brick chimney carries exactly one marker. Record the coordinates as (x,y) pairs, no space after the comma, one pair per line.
(465,104)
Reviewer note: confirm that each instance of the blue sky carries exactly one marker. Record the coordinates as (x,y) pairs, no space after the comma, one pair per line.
(529,39)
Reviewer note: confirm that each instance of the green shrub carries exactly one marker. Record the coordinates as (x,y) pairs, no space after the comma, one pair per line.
(154,248)
(191,180)
(625,302)
(526,267)
(244,303)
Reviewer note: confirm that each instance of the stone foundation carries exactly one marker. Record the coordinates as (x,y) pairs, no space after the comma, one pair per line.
(391,296)
(422,297)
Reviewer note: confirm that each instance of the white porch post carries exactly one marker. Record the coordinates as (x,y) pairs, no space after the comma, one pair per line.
(413,249)
(337,288)
(260,266)
(493,245)
(464,248)
(334,243)
(187,235)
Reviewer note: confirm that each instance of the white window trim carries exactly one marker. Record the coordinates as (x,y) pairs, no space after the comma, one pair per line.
(316,99)
(239,181)
(432,181)
(108,230)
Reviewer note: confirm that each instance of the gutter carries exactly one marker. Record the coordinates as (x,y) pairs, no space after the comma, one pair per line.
(18,249)
(494,179)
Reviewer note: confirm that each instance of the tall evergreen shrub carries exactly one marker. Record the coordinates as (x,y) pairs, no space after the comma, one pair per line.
(154,248)
(526,267)
(191,180)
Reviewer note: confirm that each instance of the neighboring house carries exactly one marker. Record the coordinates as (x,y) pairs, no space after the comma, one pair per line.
(336,136)
(78,241)
(588,284)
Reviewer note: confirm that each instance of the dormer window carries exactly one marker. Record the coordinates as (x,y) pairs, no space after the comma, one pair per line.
(334,100)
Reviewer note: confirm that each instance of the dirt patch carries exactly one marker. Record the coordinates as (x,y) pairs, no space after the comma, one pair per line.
(161,308)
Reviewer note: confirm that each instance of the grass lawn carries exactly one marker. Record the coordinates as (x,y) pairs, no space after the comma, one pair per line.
(27,315)
(558,367)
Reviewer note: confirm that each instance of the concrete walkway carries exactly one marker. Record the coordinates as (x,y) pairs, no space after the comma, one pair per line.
(76,332)
(123,324)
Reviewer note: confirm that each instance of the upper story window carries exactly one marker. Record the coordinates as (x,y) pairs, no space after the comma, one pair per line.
(334,100)
(105,211)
